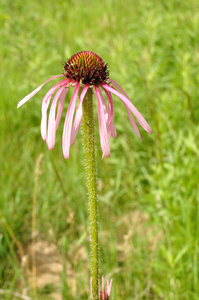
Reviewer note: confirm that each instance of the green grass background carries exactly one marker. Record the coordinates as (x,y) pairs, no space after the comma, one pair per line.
(148,190)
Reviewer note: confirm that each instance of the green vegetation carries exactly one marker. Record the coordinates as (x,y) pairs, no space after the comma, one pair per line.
(148,190)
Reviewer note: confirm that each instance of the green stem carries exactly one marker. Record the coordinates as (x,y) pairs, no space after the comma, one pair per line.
(89,149)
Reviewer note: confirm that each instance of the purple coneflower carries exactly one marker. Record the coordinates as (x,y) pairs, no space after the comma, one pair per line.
(84,70)
(104,294)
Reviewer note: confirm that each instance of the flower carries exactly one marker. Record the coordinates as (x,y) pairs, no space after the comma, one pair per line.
(84,70)
(103,294)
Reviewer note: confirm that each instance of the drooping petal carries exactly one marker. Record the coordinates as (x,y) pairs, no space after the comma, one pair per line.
(103,292)
(51,132)
(29,96)
(108,287)
(102,125)
(61,106)
(68,123)
(109,114)
(111,124)
(130,105)
(78,115)
(106,113)
(118,87)
(45,104)
(102,283)
(133,124)
(113,131)
(106,109)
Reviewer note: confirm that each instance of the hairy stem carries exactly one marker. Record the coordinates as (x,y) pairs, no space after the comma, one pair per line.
(89,149)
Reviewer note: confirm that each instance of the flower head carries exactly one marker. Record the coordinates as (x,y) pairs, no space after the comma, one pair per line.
(104,294)
(86,67)
(86,70)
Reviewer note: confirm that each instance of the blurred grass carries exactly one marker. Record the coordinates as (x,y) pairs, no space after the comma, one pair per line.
(149,190)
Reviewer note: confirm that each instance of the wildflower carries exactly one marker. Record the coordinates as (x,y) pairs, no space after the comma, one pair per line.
(84,70)
(104,294)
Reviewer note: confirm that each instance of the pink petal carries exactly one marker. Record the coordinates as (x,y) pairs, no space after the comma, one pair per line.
(133,124)
(68,123)
(61,106)
(111,124)
(113,131)
(78,115)
(108,287)
(129,104)
(102,283)
(45,104)
(51,120)
(29,96)
(108,116)
(106,109)
(103,293)
(102,125)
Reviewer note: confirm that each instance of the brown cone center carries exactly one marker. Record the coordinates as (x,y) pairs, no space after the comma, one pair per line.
(86,67)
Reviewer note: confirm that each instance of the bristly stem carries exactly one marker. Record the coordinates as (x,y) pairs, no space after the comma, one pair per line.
(89,149)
